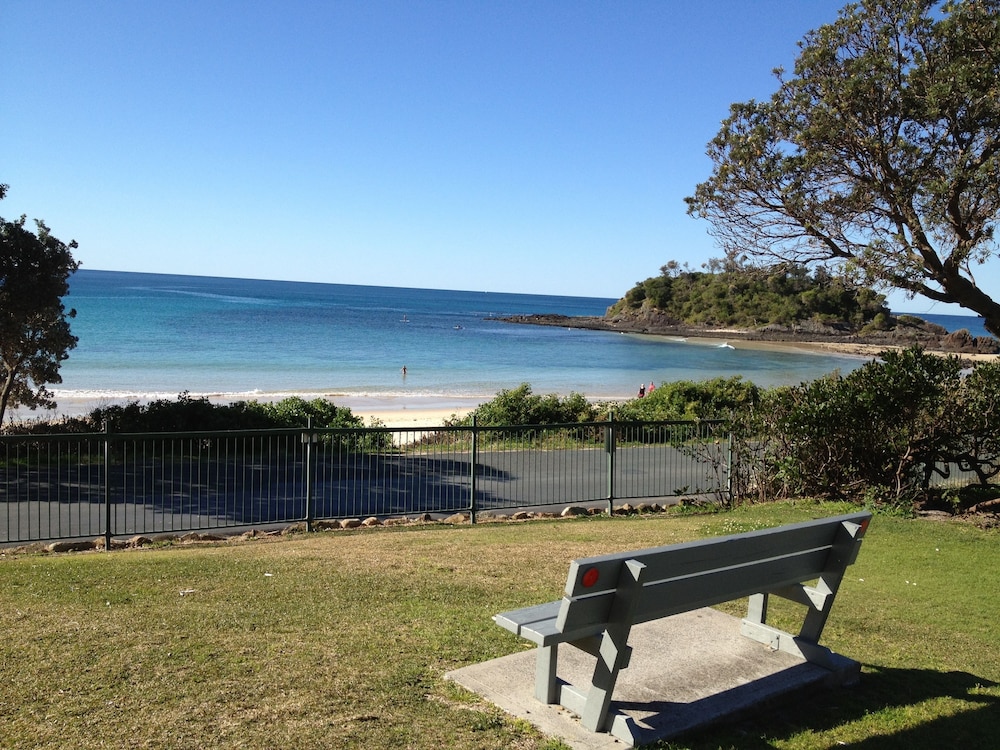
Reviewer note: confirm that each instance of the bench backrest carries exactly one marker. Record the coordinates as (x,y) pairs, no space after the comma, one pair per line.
(682,577)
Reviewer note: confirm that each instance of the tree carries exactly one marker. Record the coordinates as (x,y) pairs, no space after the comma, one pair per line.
(34,327)
(879,155)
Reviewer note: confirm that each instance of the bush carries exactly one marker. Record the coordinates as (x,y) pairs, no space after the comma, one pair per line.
(877,432)
(192,414)
(296,412)
(519,406)
(719,398)
(881,322)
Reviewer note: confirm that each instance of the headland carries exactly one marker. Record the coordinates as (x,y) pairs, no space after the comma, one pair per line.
(907,331)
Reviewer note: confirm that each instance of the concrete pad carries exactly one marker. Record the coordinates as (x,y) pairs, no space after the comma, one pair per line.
(687,671)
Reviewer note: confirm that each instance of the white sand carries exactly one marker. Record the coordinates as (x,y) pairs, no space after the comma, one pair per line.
(406,417)
(391,411)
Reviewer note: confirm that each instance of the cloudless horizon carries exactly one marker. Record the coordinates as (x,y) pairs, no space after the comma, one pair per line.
(528,147)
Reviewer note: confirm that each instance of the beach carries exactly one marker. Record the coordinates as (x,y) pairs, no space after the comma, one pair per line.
(414,412)
(871,351)
(418,410)
(408,412)
(395,411)
(406,357)
(414,417)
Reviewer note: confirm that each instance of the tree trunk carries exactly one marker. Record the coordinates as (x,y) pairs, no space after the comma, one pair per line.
(8,386)
(971,297)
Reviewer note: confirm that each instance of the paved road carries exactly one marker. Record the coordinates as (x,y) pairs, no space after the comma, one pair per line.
(177,497)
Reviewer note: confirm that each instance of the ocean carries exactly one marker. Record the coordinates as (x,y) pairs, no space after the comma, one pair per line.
(145,336)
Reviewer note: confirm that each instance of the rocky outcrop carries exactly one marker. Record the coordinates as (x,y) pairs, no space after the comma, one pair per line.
(906,331)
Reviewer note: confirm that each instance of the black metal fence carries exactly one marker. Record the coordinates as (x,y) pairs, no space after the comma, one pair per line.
(113,485)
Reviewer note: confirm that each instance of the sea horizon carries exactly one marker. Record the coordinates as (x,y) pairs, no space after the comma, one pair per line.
(146,336)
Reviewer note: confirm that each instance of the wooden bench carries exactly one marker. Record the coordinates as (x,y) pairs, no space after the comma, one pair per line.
(605,596)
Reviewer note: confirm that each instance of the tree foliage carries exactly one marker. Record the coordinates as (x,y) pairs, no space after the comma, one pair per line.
(748,298)
(880,432)
(35,334)
(878,155)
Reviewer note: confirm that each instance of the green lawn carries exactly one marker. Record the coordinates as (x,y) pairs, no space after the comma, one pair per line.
(340,639)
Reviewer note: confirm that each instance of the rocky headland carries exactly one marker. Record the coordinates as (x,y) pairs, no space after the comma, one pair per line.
(905,331)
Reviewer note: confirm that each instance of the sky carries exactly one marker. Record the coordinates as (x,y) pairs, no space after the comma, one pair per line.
(517,146)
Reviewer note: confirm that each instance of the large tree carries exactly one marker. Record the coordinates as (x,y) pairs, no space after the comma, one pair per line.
(34,325)
(879,154)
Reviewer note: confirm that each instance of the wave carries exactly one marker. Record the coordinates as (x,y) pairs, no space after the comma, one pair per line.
(117,396)
(79,402)
(130,395)
(220,297)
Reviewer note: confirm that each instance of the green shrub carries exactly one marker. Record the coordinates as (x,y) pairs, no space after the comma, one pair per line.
(719,398)
(296,412)
(877,433)
(519,406)
(881,322)
(187,414)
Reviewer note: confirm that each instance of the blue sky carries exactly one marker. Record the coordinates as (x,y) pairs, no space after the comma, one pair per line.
(540,147)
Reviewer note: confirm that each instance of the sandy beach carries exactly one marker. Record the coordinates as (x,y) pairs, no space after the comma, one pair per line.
(392,412)
(871,351)
(423,411)
(850,349)
(409,415)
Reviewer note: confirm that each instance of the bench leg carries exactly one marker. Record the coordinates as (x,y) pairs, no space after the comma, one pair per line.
(602,684)
(844,550)
(757,609)
(614,651)
(545,674)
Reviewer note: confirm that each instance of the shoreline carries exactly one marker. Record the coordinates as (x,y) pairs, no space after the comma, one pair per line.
(933,337)
(391,411)
(432,411)
(871,351)
(840,348)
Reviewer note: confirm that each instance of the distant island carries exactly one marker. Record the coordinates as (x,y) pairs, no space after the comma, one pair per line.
(781,304)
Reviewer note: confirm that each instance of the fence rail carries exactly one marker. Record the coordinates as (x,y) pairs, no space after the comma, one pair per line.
(112,485)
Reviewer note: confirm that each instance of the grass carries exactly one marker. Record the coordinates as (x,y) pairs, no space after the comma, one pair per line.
(342,639)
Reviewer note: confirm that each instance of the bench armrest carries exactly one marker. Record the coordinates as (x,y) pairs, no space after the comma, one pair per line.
(538,625)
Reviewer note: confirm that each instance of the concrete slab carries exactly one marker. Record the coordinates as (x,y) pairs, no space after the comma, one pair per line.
(687,671)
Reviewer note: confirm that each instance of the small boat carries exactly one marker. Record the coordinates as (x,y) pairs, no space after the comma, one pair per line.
(726,345)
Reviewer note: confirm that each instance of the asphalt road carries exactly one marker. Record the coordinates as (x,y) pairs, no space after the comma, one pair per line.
(68,502)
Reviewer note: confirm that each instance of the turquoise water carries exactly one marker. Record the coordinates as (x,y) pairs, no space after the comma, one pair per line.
(152,335)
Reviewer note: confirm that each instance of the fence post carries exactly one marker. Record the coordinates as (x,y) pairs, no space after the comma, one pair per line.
(107,485)
(729,465)
(472,479)
(610,438)
(307,467)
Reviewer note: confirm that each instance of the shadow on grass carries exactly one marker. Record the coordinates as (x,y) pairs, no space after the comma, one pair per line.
(972,721)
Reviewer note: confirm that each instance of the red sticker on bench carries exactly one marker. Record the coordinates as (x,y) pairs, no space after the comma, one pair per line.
(590,576)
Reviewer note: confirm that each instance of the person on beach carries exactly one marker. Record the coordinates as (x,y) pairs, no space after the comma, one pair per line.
(652,386)
(642,390)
